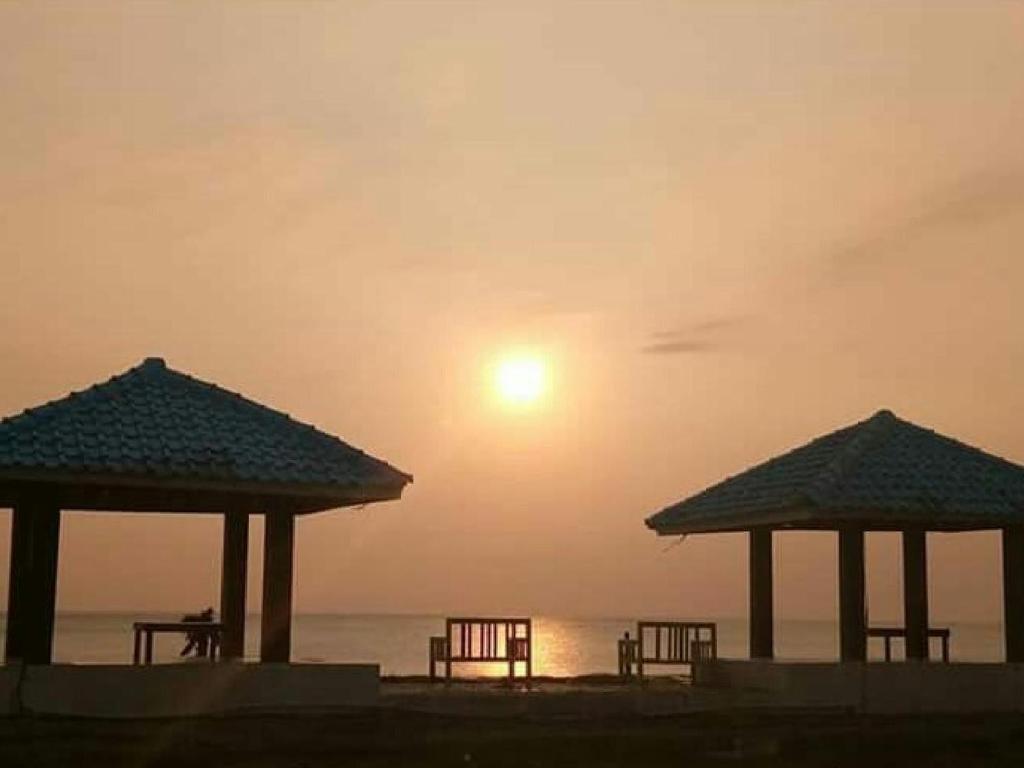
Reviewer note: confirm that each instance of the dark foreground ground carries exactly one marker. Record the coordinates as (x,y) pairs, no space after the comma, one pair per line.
(403,739)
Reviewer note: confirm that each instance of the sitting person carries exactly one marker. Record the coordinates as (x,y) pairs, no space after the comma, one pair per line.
(200,641)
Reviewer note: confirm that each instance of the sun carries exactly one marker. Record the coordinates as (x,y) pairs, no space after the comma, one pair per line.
(521,380)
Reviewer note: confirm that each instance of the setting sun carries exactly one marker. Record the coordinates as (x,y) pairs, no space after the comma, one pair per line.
(521,380)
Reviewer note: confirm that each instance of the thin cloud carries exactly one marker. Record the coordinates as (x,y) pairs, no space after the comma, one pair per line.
(718,324)
(695,338)
(974,199)
(676,347)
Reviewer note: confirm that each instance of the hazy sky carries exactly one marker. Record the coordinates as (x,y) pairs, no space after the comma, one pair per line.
(728,227)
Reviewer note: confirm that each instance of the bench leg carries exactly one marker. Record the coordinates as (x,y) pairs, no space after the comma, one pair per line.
(137,648)
(149,647)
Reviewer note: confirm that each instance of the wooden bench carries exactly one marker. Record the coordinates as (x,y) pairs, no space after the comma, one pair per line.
(144,631)
(483,640)
(674,643)
(888,633)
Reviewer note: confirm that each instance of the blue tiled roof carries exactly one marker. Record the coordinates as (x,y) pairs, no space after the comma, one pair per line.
(154,422)
(881,471)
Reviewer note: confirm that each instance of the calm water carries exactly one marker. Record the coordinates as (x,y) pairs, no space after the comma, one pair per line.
(399,643)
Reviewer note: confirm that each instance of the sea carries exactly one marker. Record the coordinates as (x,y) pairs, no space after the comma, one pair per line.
(399,643)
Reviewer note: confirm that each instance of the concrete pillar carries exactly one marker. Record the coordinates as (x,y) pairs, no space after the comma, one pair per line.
(761,596)
(234,567)
(915,593)
(19,582)
(1013,591)
(46,549)
(852,618)
(32,589)
(278,551)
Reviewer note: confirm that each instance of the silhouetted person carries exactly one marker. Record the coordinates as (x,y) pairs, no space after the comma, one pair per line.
(200,641)
(627,656)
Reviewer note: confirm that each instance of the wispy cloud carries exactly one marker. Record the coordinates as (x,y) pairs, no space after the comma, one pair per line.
(713,325)
(974,199)
(676,347)
(695,338)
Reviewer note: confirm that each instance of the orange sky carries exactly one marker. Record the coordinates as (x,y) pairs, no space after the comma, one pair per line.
(729,227)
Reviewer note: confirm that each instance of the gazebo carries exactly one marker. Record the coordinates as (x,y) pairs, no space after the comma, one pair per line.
(156,440)
(882,474)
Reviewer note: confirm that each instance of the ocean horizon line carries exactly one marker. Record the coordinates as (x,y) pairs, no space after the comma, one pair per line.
(881,620)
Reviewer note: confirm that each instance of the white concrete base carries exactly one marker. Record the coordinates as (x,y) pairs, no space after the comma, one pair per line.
(875,687)
(176,690)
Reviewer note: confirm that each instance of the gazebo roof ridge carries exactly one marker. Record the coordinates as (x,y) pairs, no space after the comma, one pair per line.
(159,364)
(884,471)
(866,434)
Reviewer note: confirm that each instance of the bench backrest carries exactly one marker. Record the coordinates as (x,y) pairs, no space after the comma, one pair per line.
(488,639)
(902,632)
(676,642)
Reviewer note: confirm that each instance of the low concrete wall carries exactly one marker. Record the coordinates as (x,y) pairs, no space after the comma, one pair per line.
(9,689)
(874,687)
(943,688)
(175,690)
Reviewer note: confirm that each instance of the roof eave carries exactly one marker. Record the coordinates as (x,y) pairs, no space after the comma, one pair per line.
(93,490)
(823,519)
(730,523)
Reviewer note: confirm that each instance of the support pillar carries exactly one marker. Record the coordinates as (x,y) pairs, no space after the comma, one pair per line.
(19,583)
(278,550)
(32,590)
(234,568)
(1013,592)
(915,593)
(761,594)
(852,614)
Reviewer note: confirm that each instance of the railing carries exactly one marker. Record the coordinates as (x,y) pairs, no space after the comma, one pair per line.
(483,640)
(888,633)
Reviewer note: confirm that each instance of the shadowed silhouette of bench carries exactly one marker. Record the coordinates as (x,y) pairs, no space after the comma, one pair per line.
(676,643)
(483,640)
(888,633)
(144,630)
